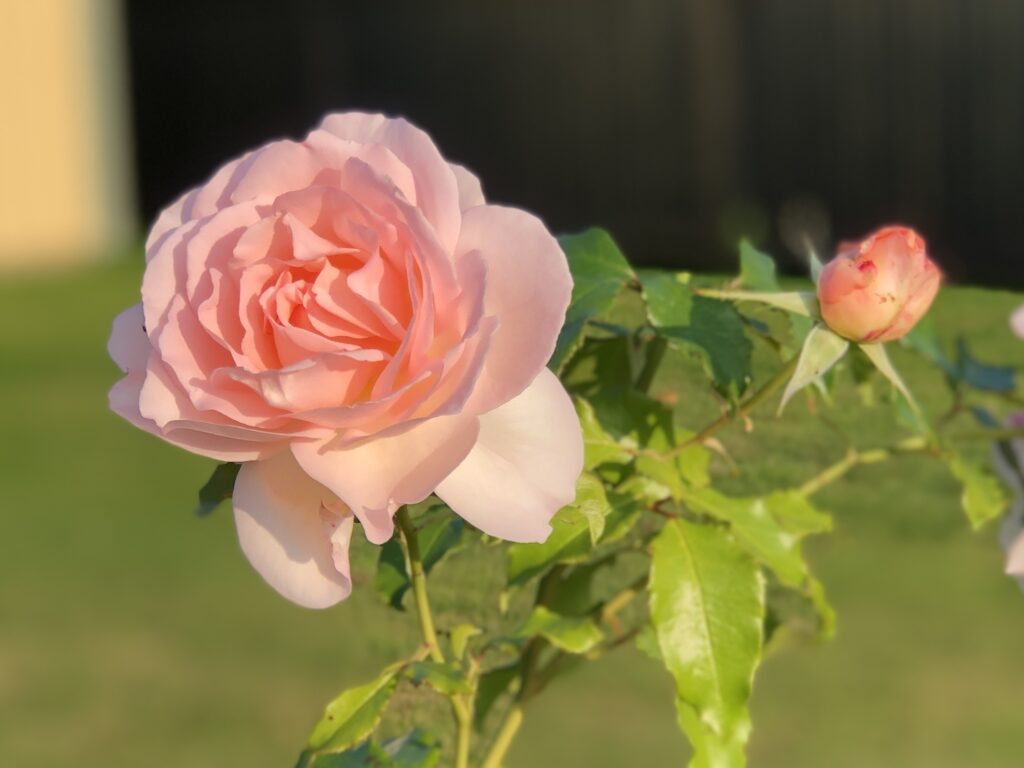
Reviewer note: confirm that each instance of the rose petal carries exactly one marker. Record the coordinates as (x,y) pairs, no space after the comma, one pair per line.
(380,474)
(471,193)
(129,346)
(298,544)
(523,467)
(437,191)
(528,289)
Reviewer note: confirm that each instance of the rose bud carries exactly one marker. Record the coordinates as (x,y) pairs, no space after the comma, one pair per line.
(878,289)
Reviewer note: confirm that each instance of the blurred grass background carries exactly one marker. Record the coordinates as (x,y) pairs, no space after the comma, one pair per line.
(132,633)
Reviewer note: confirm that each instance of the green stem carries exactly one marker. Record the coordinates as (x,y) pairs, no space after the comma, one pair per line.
(855,458)
(419,584)
(781,377)
(462,709)
(507,732)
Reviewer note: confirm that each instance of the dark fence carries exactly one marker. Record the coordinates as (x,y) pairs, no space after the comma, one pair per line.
(677,124)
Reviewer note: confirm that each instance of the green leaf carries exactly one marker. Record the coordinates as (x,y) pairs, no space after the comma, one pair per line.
(757,270)
(647,643)
(443,678)
(572,537)
(598,446)
(437,539)
(822,349)
(492,684)
(769,528)
(417,749)
(800,303)
(989,378)
(599,272)
(708,606)
(712,330)
(572,634)
(923,338)
(983,497)
(460,639)
(218,488)
(878,355)
(353,715)
(571,595)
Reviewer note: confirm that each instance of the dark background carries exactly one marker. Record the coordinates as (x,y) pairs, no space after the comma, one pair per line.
(677,124)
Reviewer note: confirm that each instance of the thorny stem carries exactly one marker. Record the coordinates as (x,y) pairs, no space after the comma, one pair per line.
(855,458)
(531,655)
(781,377)
(462,709)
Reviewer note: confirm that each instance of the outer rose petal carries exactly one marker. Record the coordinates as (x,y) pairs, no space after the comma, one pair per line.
(471,193)
(523,467)
(528,290)
(378,475)
(129,346)
(299,545)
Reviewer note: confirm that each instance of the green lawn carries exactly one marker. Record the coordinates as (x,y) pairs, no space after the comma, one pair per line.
(133,633)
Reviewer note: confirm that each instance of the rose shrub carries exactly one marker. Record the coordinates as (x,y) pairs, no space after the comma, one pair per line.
(348,318)
(877,290)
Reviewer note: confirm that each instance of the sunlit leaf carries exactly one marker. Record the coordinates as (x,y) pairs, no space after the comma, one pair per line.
(572,634)
(878,355)
(711,329)
(769,527)
(598,446)
(802,303)
(599,272)
(707,607)
(460,637)
(416,749)
(492,684)
(822,349)
(983,497)
(757,269)
(353,715)
(572,534)
(443,678)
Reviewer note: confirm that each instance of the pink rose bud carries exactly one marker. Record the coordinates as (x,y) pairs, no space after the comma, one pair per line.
(878,289)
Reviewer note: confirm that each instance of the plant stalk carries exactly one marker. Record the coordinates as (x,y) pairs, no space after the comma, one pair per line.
(780,378)
(462,710)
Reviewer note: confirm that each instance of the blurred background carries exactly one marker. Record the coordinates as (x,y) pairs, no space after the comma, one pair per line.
(133,634)
(678,124)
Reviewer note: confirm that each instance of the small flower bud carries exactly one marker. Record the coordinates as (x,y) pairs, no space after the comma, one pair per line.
(878,289)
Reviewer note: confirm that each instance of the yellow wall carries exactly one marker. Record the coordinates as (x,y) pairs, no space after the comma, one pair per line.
(64,154)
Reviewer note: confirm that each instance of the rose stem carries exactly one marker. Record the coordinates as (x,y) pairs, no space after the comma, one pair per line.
(461,708)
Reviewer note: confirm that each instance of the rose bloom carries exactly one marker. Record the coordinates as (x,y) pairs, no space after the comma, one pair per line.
(348,318)
(1010,465)
(877,290)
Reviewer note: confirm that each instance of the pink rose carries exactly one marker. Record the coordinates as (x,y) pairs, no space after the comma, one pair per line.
(1017,321)
(350,319)
(877,290)
(1011,466)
